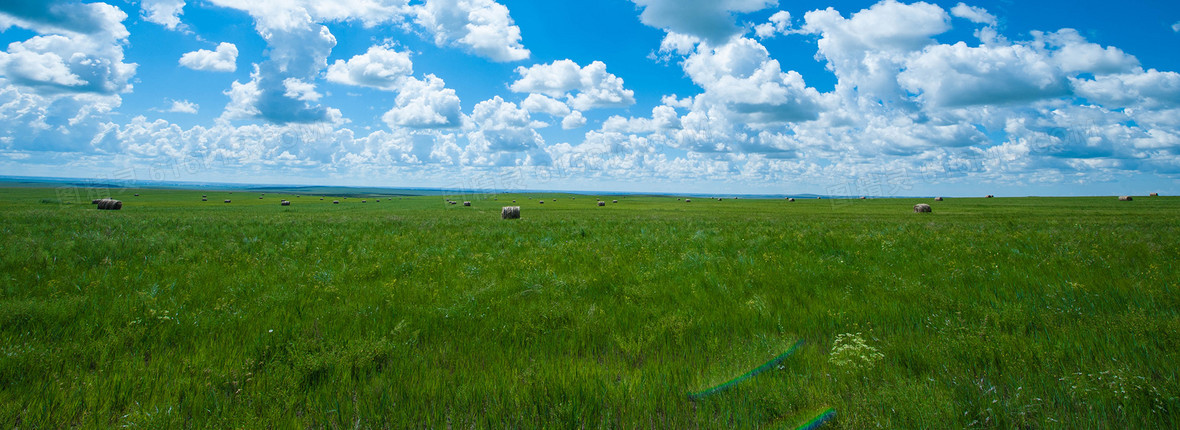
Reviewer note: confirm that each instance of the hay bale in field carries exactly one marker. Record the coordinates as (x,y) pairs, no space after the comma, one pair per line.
(136,194)
(204,200)
(259,197)
(454,203)
(510,212)
(1125,198)
(364,201)
(614,201)
(204,195)
(863,197)
(791,199)
(938,199)
(335,202)
(688,200)
(541,201)
(109,205)
(720,199)
(1154,195)
(227,200)
(514,201)
(601,203)
(991,196)
(922,208)
(466,203)
(285,203)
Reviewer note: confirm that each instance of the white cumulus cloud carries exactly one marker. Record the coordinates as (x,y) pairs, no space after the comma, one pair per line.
(584,88)
(425,104)
(183,106)
(780,23)
(483,27)
(164,12)
(711,20)
(380,67)
(974,14)
(223,59)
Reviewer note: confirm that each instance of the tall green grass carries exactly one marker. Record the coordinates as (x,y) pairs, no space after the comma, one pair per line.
(988,313)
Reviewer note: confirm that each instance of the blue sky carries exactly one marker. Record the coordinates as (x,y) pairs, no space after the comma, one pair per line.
(718,96)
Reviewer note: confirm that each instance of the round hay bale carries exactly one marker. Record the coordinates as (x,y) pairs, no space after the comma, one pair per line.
(204,195)
(136,194)
(466,203)
(227,200)
(510,212)
(321,198)
(688,200)
(863,197)
(364,201)
(110,205)
(454,203)
(938,199)
(285,203)
(1154,195)
(204,200)
(922,208)
(1125,198)
(614,201)
(541,201)
(791,199)
(720,199)
(601,203)
(335,202)
(514,201)
(991,196)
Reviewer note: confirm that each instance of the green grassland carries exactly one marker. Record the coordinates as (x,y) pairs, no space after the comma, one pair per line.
(987,313)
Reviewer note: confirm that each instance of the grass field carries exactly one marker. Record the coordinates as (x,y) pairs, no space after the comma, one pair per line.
(987,313)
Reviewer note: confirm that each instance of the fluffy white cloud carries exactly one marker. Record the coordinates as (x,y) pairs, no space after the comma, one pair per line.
(780,23)
(183,106)
(712,20)
(300,90)
(584,88)
(974,14)
(1075,55)
(537,103)
(482,27)
(959,75)
(79,48)
(298,47)
(164,12)
(379,67)
(425,104)
(866,50)
(281,102)
(573,120)
(503,135)
(1176,27)
(224,59)
(741,77)
(1151,89)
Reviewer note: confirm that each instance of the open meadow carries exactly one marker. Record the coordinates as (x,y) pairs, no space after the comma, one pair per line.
(409,312)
